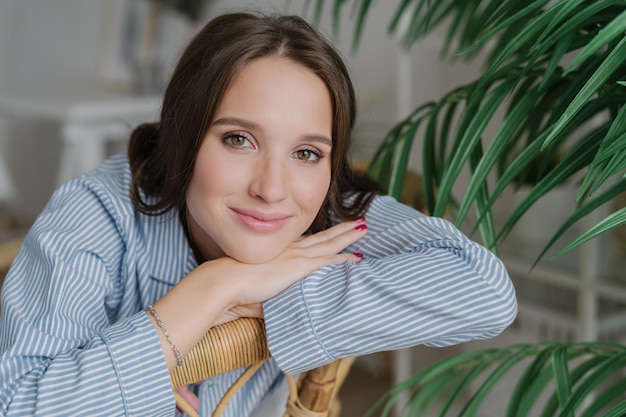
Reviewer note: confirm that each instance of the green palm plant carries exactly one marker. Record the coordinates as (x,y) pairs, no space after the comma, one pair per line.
(558,70)
(557,380)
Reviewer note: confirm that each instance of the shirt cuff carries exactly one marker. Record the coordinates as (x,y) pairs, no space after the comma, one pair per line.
(291,335)
(140,366)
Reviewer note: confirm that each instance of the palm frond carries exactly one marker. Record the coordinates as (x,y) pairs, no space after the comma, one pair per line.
(572,374)
(582,211)
(612,221)
(554,83)
(545,97)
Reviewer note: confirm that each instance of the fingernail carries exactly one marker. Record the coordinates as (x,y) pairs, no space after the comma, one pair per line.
(179,409)
(361,227)
(361,219)
(358,254)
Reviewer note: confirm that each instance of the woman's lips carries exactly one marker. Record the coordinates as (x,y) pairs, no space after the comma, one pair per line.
(261,222)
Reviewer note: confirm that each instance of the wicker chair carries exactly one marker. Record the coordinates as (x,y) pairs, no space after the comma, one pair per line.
(242,343)
(234,345)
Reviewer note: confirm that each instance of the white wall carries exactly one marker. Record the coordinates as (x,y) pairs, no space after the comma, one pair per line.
(47,42)
(6,188)
(52,37)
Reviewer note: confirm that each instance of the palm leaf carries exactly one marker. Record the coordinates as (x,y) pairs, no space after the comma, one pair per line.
(526,37)
(401,162)
(455,27)
(435,146)
(606,397)
(587,386)
(487,226)
(614,143)
(494,378)
(532,40)
(613,221)
(382,166)
(609,66)
(523,397)
(495,150)
(454,367)
(464,384)
(403,8)
(550,42)
(561,373)
(360,23)
(468,139)
(583,211)
(617,411)
(579,157)
(613,30)
(574,369)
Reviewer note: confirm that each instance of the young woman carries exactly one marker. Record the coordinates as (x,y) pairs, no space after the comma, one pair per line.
(238,202)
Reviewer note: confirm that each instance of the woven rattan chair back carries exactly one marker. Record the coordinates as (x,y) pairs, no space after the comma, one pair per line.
(242,343)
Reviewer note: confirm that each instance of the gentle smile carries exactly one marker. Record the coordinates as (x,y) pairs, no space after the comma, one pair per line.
(259,221)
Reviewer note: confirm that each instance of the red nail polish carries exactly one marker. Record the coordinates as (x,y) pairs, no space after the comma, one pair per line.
(361,219)
(358,254)
(361,227)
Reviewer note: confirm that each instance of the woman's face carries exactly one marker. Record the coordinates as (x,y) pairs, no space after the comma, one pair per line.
(263,168)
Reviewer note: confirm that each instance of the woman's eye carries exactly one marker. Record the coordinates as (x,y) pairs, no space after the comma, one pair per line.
(237,141)
(307,155)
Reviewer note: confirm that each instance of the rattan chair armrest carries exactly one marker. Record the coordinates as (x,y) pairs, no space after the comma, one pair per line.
(224,348)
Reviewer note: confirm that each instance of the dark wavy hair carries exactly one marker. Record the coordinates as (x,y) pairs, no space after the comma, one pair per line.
(162,155)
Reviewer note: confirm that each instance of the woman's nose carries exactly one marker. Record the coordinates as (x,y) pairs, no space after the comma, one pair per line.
(270,181)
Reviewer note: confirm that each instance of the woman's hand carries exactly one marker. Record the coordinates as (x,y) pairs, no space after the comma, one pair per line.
(251,310)
(252,284)
(224,289)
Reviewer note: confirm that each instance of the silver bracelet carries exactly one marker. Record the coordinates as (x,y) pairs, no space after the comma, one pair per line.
(179,358)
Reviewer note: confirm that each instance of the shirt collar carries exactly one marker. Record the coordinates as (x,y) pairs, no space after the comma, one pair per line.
(171,255)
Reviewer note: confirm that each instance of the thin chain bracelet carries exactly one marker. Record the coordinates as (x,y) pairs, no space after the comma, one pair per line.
(179,357)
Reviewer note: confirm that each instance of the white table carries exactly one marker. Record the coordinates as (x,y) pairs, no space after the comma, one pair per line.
(87,114)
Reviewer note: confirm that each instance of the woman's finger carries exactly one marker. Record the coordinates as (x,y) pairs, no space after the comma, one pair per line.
(333,244)
(340,258)
(262,281)
(331,233)
(185,398)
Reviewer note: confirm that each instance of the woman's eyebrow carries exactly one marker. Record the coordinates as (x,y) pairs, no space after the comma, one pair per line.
(236,121)
(247,124)
(324,140)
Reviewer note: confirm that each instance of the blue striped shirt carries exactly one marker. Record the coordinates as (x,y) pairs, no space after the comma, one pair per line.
(75,340)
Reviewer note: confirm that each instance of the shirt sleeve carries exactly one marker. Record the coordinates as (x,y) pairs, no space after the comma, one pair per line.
(421,281)
(62,349)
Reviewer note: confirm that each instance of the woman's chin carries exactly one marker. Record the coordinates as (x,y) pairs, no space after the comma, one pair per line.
(255,255)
